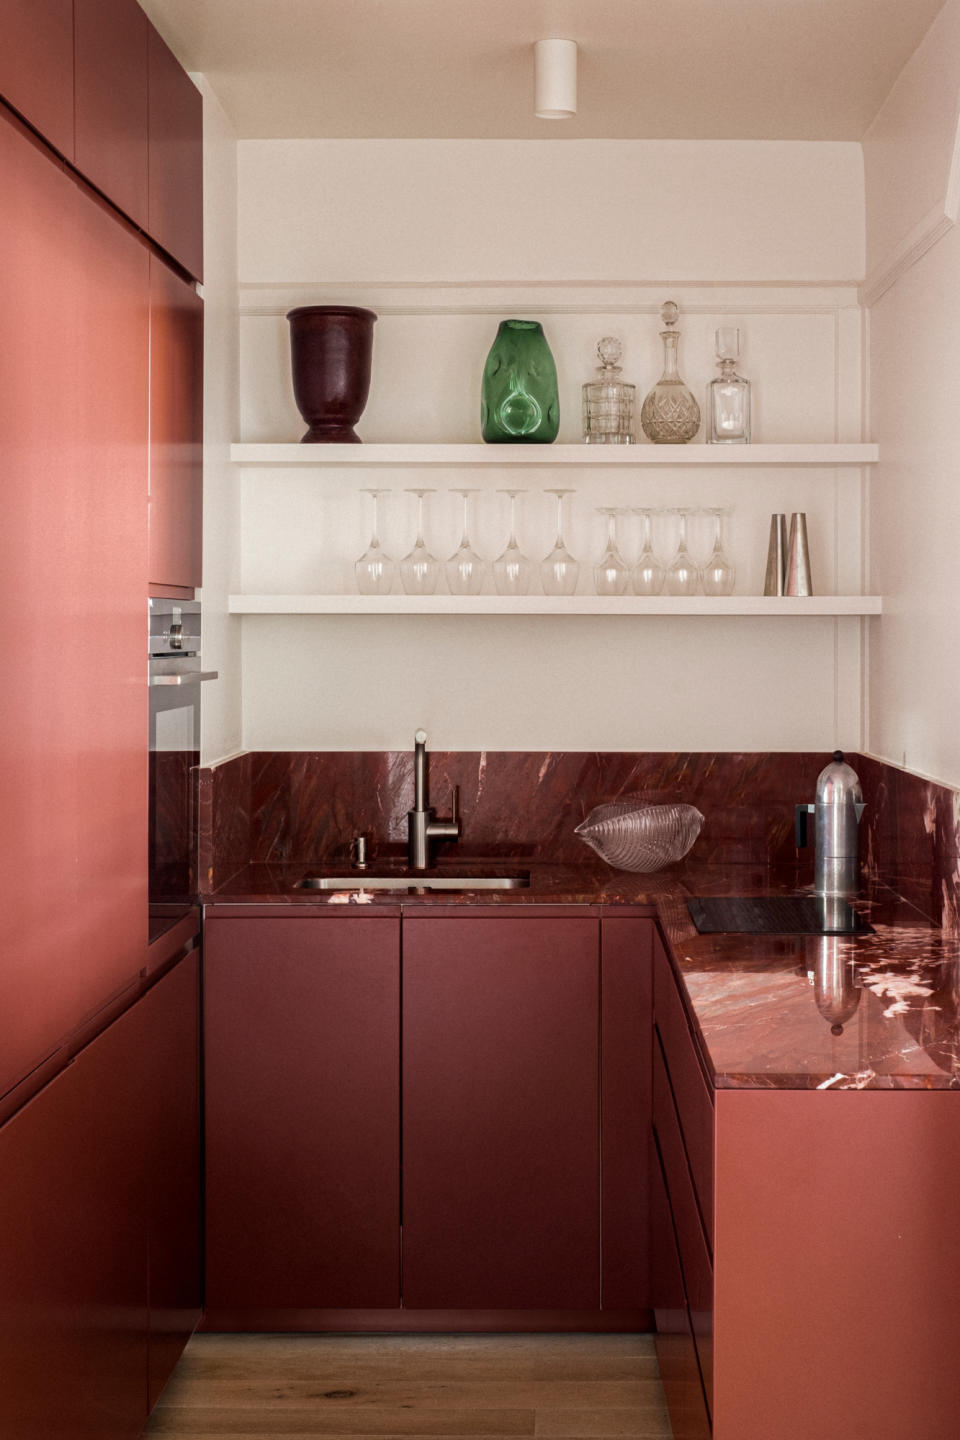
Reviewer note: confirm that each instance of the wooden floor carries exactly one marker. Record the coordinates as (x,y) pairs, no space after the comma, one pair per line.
(563,1387)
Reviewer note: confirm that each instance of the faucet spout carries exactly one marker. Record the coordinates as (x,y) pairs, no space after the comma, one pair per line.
(420,770)
(423,827)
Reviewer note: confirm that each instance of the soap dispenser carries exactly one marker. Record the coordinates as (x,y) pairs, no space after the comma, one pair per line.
(836,811)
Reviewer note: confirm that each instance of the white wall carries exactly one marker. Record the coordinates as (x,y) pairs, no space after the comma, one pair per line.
(444,238)
(911,156)
(221,720)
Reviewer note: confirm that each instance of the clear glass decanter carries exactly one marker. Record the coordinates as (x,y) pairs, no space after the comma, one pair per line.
(728,397)
(608,401)
(670,414)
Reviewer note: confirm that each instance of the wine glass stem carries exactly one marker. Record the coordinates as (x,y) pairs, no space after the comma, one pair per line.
(513,543)
(420,540)
(375,537)
(559,544)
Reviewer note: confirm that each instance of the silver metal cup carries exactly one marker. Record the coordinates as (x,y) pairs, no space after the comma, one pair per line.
(798,581)
(775,577)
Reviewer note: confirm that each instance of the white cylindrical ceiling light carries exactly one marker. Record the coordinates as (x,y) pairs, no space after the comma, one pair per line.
(555,72)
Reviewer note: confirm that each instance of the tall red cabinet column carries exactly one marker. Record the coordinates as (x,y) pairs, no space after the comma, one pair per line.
(73,708)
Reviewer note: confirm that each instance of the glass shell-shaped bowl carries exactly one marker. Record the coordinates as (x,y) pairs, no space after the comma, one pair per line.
(634,835)
(670,413)
(519,398)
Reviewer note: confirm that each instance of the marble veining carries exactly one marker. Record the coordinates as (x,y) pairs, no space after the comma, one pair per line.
(878,1011)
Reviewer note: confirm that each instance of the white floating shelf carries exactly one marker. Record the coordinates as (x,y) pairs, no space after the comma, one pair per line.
(693,605)
(553,455)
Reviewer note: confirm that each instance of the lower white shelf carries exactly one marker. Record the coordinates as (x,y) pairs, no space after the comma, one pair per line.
(787,605)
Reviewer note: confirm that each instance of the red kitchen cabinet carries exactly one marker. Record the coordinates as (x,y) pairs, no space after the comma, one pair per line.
(111,39)
(176,430)
(36,66)
(626,1024)
(73,724)
(171,1124)
(826,1304)
(501,1164)
(176,158)
(302,1037)
(676,1351)
(73,1250)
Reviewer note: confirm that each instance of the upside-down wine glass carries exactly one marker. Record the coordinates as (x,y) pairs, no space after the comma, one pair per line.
(559,571)
(647,574)
(717,575)
(512,571)
(419,570)
(375,569)
(611,572)
(683,572)
(465,568)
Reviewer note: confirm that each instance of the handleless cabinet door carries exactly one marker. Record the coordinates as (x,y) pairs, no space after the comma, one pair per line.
(176,429)
(73,707)
(36,66)
(176,158)
(501,1160)
(172,1131)
(73,1249)
(111,101)
(302,1063)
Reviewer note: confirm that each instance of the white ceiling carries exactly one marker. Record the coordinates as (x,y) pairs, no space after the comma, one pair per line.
(463,69)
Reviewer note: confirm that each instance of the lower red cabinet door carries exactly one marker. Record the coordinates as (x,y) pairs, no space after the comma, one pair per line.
(302,1020)
(73,1249)
(172,1125)
(501,1180)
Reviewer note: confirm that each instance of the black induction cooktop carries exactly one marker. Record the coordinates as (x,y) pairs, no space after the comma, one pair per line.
(776,915)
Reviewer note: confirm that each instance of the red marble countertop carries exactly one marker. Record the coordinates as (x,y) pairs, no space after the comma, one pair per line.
(875,1011)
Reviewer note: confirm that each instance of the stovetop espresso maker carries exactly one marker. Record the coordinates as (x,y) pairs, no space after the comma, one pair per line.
(836,828)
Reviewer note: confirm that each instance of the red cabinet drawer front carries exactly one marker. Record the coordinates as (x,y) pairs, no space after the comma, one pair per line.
(501,1113)
(694,1255)
(301,1027)
(694,1098)
(676,1351)
(36,66)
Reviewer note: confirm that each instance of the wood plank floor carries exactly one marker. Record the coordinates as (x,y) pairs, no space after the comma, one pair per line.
(561,1387)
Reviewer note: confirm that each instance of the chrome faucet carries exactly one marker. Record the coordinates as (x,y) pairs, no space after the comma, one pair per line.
(422,823)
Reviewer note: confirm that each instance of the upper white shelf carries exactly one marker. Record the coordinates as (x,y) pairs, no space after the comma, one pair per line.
(554,455)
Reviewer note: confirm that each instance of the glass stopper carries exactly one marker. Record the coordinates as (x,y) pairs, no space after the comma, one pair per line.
(669,313)
(609,349)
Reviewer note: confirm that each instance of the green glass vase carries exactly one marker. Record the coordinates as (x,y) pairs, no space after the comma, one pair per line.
(519,400)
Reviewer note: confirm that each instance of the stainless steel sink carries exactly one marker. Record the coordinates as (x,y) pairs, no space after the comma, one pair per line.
(518,881)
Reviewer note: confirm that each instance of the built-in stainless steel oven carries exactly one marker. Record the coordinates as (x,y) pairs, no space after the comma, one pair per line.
(176,682)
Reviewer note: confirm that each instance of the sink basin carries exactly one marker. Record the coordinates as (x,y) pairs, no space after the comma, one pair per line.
(518,881)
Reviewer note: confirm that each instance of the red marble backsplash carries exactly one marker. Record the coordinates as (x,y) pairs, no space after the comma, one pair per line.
(910,841)
(304,807)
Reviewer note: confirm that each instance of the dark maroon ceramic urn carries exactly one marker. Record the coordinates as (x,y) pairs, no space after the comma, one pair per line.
(330,351)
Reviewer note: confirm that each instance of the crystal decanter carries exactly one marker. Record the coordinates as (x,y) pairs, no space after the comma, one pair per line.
(728,397)
(608,401)
(670,414)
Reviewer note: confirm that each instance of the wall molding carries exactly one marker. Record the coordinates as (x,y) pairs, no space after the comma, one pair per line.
(938,221)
